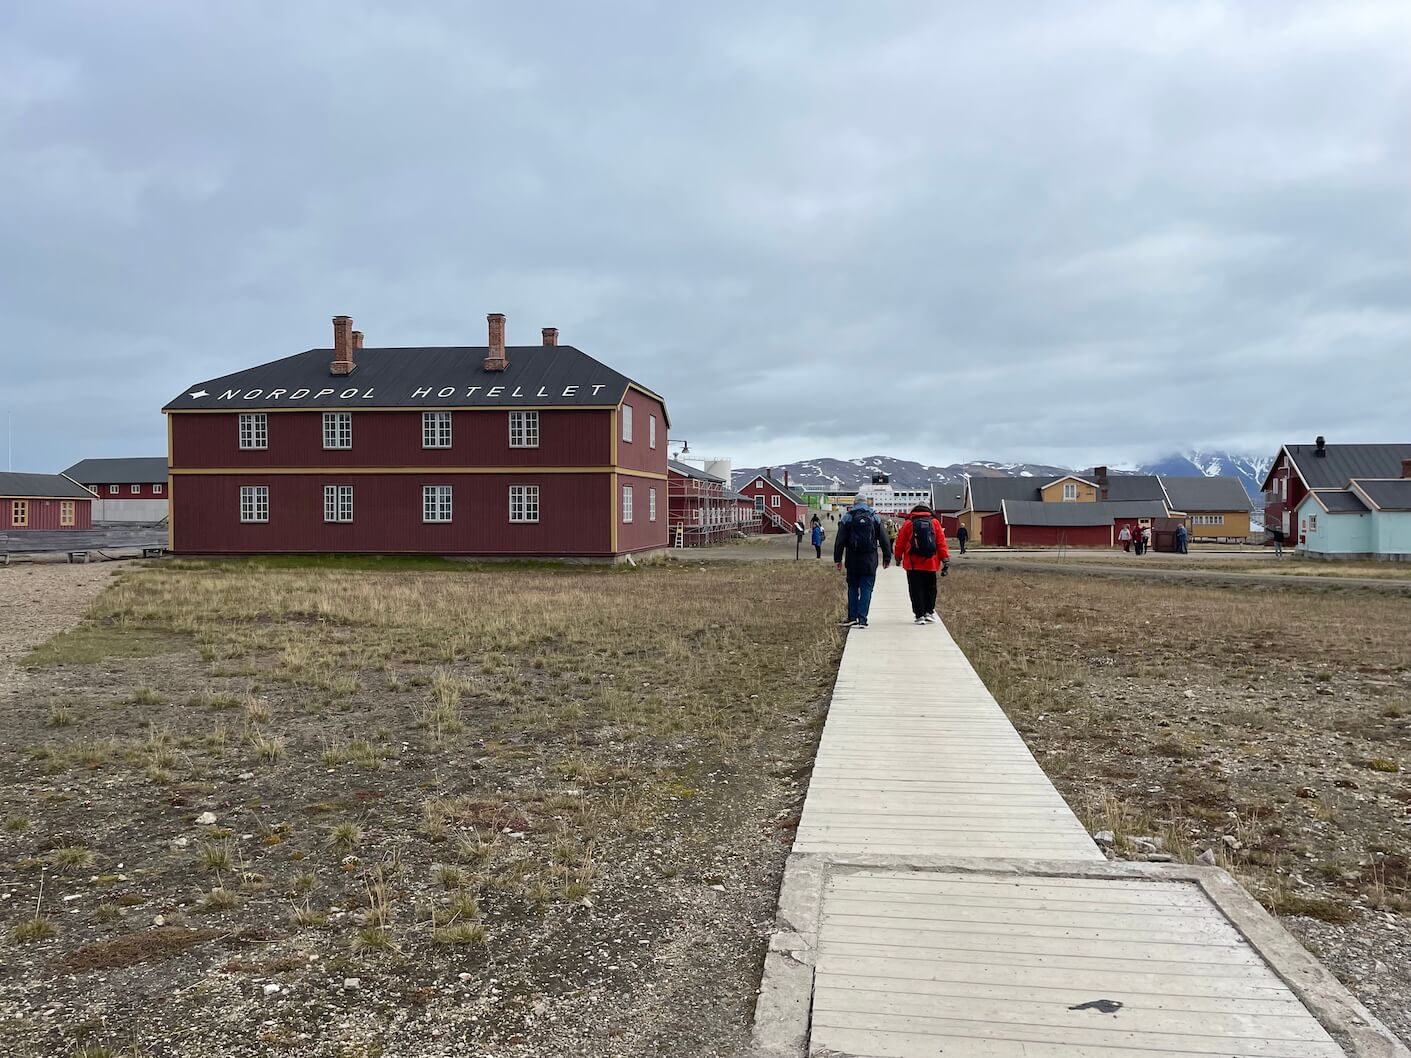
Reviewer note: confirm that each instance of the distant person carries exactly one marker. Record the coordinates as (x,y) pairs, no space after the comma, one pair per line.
(861,539)
(817,539)
(921,550)
(1182,540)
(1278,535)
(1126,537)
(962,534)
(1146,539)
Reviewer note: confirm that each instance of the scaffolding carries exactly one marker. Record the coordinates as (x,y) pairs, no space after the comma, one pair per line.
(703,513)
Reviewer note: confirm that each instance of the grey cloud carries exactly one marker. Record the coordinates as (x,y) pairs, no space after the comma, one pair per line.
(933,230)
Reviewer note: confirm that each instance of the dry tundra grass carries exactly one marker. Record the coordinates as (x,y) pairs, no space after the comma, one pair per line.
(416,774)
(1273,727)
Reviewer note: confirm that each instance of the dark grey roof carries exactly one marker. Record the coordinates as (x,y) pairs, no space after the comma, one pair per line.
(947,499)
(730,495)
(137,470)
(1387,495)
(415,378)
(1127,487)
(1340,501)
(1345,462)
(20,486)
(1101,512)
(1193,494)
(987,493)
(686,470)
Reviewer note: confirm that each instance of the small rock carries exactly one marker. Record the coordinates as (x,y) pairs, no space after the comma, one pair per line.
(206,819)
(271,989)
(245,776)
(1206,858)
(160,920)
(1105,837)
(1189,693)
(180,843)
(1157,857)
(1231,842)
(718,888)
(352,984)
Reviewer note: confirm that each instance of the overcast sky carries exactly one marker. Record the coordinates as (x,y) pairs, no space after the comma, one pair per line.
(1059,232)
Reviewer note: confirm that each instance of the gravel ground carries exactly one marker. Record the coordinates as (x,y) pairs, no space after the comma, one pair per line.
(37,602)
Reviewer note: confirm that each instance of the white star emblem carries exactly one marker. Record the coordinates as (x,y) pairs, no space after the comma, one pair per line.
(198,393)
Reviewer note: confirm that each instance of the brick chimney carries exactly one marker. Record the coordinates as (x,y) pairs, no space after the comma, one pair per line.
(1100,473)
(342,346)
(495,359)
(551,336)
(1406,468)
(357,339)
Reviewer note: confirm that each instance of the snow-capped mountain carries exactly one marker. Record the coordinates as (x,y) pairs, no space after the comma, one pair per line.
(847,474)
(1249,469)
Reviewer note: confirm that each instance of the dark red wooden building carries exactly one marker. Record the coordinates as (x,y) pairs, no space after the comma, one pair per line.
(494,450)
(43,501)
(779,507)
(704,510)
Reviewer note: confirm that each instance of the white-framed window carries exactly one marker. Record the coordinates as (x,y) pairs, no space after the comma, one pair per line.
(1070,491)
(337,429)
(158,488)
(774,501)
(759,503)
(524,503)
(626,503)
(435,429)
(651,504)
(254,430)
(338,503)
(1312,523)
(627,422)
(136,490)
(524,429)
(436,503)
(254,503)
(652,430)
(113,490)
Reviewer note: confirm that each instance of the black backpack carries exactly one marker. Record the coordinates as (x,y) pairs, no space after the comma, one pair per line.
(862,533)
(923,536)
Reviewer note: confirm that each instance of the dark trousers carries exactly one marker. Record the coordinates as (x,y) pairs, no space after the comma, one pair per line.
(962,545)
(921,585)
(860,594)
(817,550)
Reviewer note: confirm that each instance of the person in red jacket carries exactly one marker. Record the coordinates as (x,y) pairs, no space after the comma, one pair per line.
(921,550)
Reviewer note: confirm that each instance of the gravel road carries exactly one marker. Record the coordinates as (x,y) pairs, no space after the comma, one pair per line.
(39,601)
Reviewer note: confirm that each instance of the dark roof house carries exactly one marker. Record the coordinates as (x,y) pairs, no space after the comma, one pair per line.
(136,470)
(1196,494)
(41,486)
(688,471)
(1339,464)
(986,494)
(1385,494)
(433,377)
(1100,512)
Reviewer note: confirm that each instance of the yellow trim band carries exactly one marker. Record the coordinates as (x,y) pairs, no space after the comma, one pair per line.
(432,470)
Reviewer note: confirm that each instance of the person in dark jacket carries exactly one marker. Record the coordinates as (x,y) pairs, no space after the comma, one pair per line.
(817,538)
(861,539)
(962,534)
(921,550)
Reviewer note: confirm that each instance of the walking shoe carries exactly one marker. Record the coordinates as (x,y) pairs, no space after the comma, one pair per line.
(919,621)
(850,622)
(860,624)
(931,617)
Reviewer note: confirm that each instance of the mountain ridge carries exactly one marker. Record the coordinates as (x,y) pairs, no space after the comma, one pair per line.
(846,475)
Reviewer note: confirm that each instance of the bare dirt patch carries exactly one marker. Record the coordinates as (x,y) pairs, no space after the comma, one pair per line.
(437,810)
(1271,727)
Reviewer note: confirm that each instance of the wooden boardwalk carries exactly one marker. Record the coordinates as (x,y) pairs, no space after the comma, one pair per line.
(917,762)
